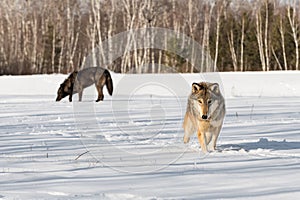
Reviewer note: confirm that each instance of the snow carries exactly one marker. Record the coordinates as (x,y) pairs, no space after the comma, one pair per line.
(130,145)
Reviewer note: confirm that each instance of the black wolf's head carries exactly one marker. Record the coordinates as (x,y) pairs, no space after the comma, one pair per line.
(66,88)
(62,91)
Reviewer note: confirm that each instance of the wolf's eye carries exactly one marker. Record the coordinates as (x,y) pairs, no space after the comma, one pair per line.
(209,101)
(200,101)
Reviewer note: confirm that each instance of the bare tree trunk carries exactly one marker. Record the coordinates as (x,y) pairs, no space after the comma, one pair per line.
(283,43)
(276,58)
(242,44)
(22,44)
(9,35)
(190,7)
(176,24)
(97,21)
(41,49)
(232,51)
(205,41)
(266,39)
(3,59)
(74,42)
(295,27)
(219,12)
(92,37)
(259,36)
(159,61)
(193,22)
(68,36)
(53,50)
(129,22)
(34,41)
(61,56)
(110,30)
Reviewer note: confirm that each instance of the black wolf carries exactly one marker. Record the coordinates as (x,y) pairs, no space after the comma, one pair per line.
(78,80)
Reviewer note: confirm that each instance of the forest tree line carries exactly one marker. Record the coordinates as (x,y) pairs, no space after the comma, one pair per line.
(56,36)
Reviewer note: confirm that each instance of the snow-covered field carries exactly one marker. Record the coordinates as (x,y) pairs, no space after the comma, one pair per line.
(130,145)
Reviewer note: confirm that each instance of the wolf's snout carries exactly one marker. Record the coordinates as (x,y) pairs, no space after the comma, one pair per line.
(204,116)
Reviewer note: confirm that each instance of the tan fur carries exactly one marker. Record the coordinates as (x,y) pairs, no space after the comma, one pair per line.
(204,115)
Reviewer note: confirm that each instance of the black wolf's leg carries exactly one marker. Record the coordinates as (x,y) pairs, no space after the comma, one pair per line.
(70,98)
(100,98)
(100,94)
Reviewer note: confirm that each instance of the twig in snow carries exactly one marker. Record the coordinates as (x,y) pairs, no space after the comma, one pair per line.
(81,155)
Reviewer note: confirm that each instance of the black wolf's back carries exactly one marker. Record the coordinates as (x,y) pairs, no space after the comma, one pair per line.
(92,75)
(88,76)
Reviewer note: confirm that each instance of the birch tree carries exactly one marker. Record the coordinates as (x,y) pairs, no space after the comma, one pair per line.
(259,36)
(294,23)
(220,8)
(205,62)
(282,36)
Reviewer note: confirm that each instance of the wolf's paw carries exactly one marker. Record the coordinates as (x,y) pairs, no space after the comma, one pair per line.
(101,98)
(186,140)
(205,151)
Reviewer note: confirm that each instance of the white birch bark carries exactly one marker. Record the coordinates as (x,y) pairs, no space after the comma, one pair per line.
(259,36)
(282,32)
(295,29)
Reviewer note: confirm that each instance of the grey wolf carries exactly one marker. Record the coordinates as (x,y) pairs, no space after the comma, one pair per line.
(78,80)
(204,114)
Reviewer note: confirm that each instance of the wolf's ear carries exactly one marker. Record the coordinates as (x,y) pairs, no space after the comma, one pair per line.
(196,87)
(215,88)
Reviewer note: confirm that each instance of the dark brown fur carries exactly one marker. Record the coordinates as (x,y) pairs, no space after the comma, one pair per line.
(78,80)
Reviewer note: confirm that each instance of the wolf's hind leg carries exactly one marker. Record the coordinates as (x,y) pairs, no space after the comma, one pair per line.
(100,94)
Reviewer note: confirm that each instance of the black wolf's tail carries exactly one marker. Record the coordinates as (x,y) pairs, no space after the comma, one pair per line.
(108,82)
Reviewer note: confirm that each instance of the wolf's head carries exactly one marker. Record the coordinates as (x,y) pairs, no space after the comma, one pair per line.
(62,91)
(66,88)
(206,96)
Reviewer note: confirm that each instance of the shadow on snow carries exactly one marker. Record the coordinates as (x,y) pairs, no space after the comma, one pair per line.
(263,143)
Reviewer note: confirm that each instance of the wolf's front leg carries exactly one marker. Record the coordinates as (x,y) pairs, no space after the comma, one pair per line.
(186,139)
(215,138)
(70,98)
(187,135)
(80,95)
(213,142)
(188,129)
(202,141)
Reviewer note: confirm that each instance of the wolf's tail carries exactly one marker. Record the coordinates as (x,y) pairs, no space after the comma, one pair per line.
(108,82)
